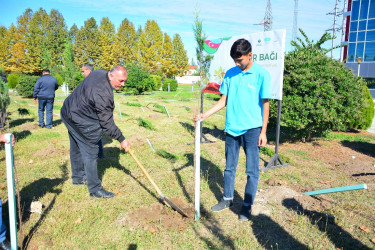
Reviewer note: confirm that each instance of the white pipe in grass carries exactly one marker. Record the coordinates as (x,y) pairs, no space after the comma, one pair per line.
(149,143)
(197,168)
(166,110)
(11,192)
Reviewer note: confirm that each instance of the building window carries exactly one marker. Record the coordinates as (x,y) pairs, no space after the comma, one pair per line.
(370,35)
(362,25)
(359,51)
(371,24)
(355,10)
(361,36)
(364,9)
(370,52)
(353,26)
(351,52)
(353,37)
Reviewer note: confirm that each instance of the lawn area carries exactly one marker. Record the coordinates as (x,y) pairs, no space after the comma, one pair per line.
(283,218)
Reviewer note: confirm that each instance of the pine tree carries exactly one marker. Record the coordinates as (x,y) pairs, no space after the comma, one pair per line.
(126,46)
(179,55)
(151,42)
(72,33)
(106,40)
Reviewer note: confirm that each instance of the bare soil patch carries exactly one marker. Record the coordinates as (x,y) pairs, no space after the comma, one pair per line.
(157,217)
(51,150)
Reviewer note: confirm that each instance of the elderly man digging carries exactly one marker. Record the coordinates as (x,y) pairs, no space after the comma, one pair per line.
(87,114)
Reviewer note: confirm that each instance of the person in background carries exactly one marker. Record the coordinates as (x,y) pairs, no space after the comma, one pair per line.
(246,89)
(88,113)
(44,91)
(4,243)
(86,69)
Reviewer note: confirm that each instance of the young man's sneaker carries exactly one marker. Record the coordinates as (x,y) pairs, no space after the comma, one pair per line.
(245,213)
(223,204)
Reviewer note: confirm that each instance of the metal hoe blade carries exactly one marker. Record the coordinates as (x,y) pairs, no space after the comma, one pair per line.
(174,206)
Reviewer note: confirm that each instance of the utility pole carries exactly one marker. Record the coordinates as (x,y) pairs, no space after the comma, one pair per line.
(334,29)
(295,20)
(268,17)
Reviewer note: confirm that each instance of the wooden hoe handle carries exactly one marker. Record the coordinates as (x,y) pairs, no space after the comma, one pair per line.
(145,172)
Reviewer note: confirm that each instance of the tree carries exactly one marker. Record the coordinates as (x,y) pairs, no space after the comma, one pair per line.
(320,94)
(18,60)
(203,59)
(151,42)
(72,33)
(56,35)
(168,68)
(4,102)
(106,40)
(35,41)
(126,46)
(86,46)
(179,55)
(68,67)
(4,48)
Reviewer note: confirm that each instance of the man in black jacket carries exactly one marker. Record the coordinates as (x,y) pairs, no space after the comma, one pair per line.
(87,114)
(44,90)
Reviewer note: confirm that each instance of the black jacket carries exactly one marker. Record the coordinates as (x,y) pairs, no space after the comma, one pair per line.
(89,109)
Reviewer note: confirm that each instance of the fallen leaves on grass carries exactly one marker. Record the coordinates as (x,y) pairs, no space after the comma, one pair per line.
(325,182)
(363,228)
(373,240)
(31,162)
(78,221)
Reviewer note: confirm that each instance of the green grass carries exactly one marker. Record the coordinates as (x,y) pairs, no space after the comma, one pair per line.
(72,220)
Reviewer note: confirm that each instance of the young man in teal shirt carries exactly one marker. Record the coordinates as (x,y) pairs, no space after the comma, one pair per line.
(246,89)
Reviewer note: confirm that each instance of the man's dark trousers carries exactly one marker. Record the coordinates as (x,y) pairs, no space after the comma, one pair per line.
(83,160)
(45,104)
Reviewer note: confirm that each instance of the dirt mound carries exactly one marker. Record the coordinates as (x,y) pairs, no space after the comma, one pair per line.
(266,199)
(157,217)
(28,126)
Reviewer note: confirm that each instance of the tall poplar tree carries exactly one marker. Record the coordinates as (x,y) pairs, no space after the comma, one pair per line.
(18,60)
(107,37)
(151,42)
(179,56)
(86,46)
(166,61)
(126,46)
(4,48)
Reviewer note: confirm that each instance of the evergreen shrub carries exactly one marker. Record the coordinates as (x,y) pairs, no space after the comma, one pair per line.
(25,86)
(320,94)
(13,80)
(173,84)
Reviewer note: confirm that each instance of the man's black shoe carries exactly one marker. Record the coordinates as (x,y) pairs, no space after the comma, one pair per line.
(101,193)
(223,204)
(245,213)
(5,245)
(41,126)
(81,182)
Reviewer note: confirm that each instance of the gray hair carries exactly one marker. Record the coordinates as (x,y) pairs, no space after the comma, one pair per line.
(117,68)
(88,66)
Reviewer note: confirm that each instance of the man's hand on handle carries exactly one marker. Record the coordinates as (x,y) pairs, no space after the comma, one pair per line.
(125,145)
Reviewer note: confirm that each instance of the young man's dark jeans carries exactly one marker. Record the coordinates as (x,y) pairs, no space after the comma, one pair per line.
(83,160)
(249,141)
(48,106)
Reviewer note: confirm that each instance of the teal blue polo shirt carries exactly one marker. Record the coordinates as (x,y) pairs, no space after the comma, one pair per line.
(245,91)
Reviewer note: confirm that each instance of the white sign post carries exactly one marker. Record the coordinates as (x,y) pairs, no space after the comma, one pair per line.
(11,192)
(197,168)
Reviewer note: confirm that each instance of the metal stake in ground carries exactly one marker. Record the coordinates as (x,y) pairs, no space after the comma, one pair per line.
(162,197)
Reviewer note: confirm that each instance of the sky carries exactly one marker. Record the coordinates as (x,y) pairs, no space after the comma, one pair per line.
(220,18)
